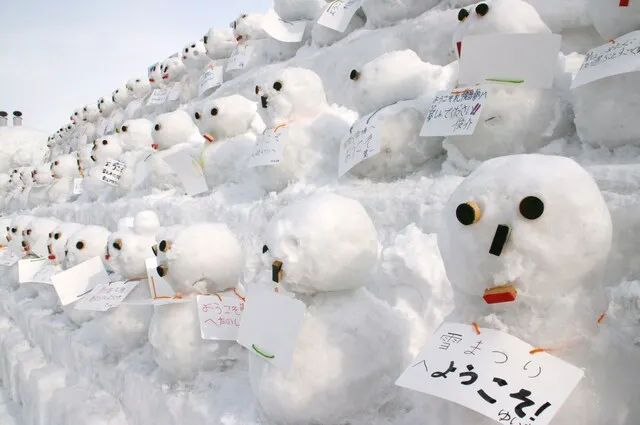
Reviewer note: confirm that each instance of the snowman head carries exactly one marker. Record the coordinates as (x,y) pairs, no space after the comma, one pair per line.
(172,128)
(323,243)
(86,243)
(138,87)
(76,116)
(136,134)
(194,55)
(226,117)
(497,16)
(172,69)
(65,166)
(90,113)
(219,43)
(106,147)
(57,240)
(121,96)
(536,222)
(106,105)
(290,94)
(247,26)
(203,258)
(26,175)
(42,174)
(155,75)
(36,234)
(15,232)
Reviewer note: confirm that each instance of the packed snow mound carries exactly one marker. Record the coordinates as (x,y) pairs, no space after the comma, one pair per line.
(21,147)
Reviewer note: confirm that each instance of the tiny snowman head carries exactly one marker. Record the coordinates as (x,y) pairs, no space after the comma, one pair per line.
(138,87)
(65,166)
(534,223)
(247,27)
(106,105)
(106,147)
(135,134)
(194,55)
(36,234)
(127,250)
(121,96)
(85,159)
(172,128)
(26,175)
(172,69)
(219,43)
(203,258)
(86,243)
(42,174)
(155,75)
(291,94)
(226,117)
(57,240)
(15,233)
(325,243)
(90,113)
(76,116)
(497,17)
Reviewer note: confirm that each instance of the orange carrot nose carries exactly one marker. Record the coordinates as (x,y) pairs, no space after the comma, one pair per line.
(238,38)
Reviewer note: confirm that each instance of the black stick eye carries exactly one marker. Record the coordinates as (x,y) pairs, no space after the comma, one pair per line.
(354,75)
(56,236)
(164,246)
(277,86)
(265,249)
(117,244)
(463,14)
(157,127)
(468,213)
(531,207)
(80,245)
(214,111)
(257,89)
(124,128)
(197,115)
(482,9)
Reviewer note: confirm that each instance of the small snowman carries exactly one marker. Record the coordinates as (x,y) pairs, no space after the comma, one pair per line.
(15,236)
(136,142)
(195,59)
(104,148)
(36,235)
(295,109)
(138,89)
(325,249)
(109,110)
(64,170)
(121,98)
(219,43)
(57,240)
(5,229)
(42,181)
(155,76)
(204,258)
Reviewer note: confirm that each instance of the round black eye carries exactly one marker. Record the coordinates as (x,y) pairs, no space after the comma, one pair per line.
(124,128)
(117,90)
(468,213)
(463,14)
(243,16)
(277,86)
(157,127)
(84,109)
(28,232)
(164,246)
(161,270)
(482,9)
(193,46)
(531,207)
(75,113)
(56,236)
(14,230)
(354,75)
(117,245)
(197,115)
(80,245)
(257,89)
(138,80)
(50,235)
(214,111)
(186,49)
(104,142)
(265,249)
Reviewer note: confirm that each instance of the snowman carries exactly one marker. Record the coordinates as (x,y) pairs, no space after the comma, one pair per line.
(155,76)
(195,59)
(104,148)
(109,111)
(174,76)
(326,250)
(514,119)
(295,109)
(42,180)
(524,240)
(219,43)
(15,236)
(57,240)
(121,98)
(64,169)
(5,228)
(392,99)
(134,137)
(36,235)
(204,258)
(138,89)
(605,113)
(230,125)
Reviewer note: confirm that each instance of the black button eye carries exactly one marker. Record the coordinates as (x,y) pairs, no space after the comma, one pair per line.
(243,16)
(354,75)
(138,80)
(186,49)
(157,127)
(164,246)
(28,232)
(14,230)
(56,236)
(104,142)
(214,111)
(463,14)
(80,245)
(124,128)
(117,244)
(482,9)
(531,207)
(197,115)
(277,86)
(468,213)
(257,89)
(193,46)
(265,249)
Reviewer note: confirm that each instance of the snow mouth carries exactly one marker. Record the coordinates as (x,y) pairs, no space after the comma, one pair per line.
(500,294)
(238,38)
(459,47)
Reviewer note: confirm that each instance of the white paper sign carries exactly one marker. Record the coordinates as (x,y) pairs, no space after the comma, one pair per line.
(29,267)
(492,373)
(210,79)
(617,57)
(268,149)
(239,58)
(40,247)
(142,171)
(7,257)
(454,112)
(174,91)
(270,325)
(105,296)
(158,96)
(111,127)
(362,142)
(112,171)
(77,186)
(220,316)
(338,14)
(521,59)
(188,171)
(74,283)
(281,30)
(45,273)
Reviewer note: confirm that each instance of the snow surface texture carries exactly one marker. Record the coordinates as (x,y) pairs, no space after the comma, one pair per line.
(379,249)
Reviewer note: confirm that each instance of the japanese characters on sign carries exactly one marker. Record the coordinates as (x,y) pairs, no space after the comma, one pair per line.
(112,171)
(240,57)
(158,96)
(492,373)
(268,149)
(211,78)
(105,296)
(220,316)
(454,112)
(338,14)
(76,282)
(362,142)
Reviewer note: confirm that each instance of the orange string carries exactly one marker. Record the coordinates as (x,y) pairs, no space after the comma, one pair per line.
(238,295)
(602,317)
(218,295)
(540,350)
(476,327)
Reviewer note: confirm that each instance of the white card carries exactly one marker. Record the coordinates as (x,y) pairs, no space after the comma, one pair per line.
(142,171)
(338,14)
(362,142)
(7,257)
(270,325)
(112,171)
(40,247)
(188,171)
(29,267)
(239,57)
(281,30)
(220,317)
(454,112)
(45,273)
(268,149)
(517,59)
(102,127)
(617,57)
(111,127)
(158,96)
(74,283)
(174,91)
(77,186)
(210,79)
(106,296)
(494,374)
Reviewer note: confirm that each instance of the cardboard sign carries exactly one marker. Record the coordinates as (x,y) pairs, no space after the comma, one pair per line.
(492,373)
(77,186)
(268,149)
(220,316)
(281,30)
(106,296)
(210,79)
(45,273)
(517,59)
(188,171)
(74,283)
(454,112)
(338,14)
(28,268)
(240,57)
(614,58)
(270,326)
(112,171)
(362,142)
(158,96)
(7,257)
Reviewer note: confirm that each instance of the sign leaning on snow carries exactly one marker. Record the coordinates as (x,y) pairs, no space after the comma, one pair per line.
(454,112)
(281,30)
(239,57)
(112,171)
(158,96)
(28,268)
(338,14)
(174,91)
(268,149)
(493,373)
(362,142)
(188,171)
(616,57)
(7,257)
(105,296)
(74,283)
(220,316)
(210,79)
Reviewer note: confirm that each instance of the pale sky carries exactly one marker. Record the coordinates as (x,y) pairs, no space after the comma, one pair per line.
(60,55)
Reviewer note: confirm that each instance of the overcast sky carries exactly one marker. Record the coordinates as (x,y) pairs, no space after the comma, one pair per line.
(59,55)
